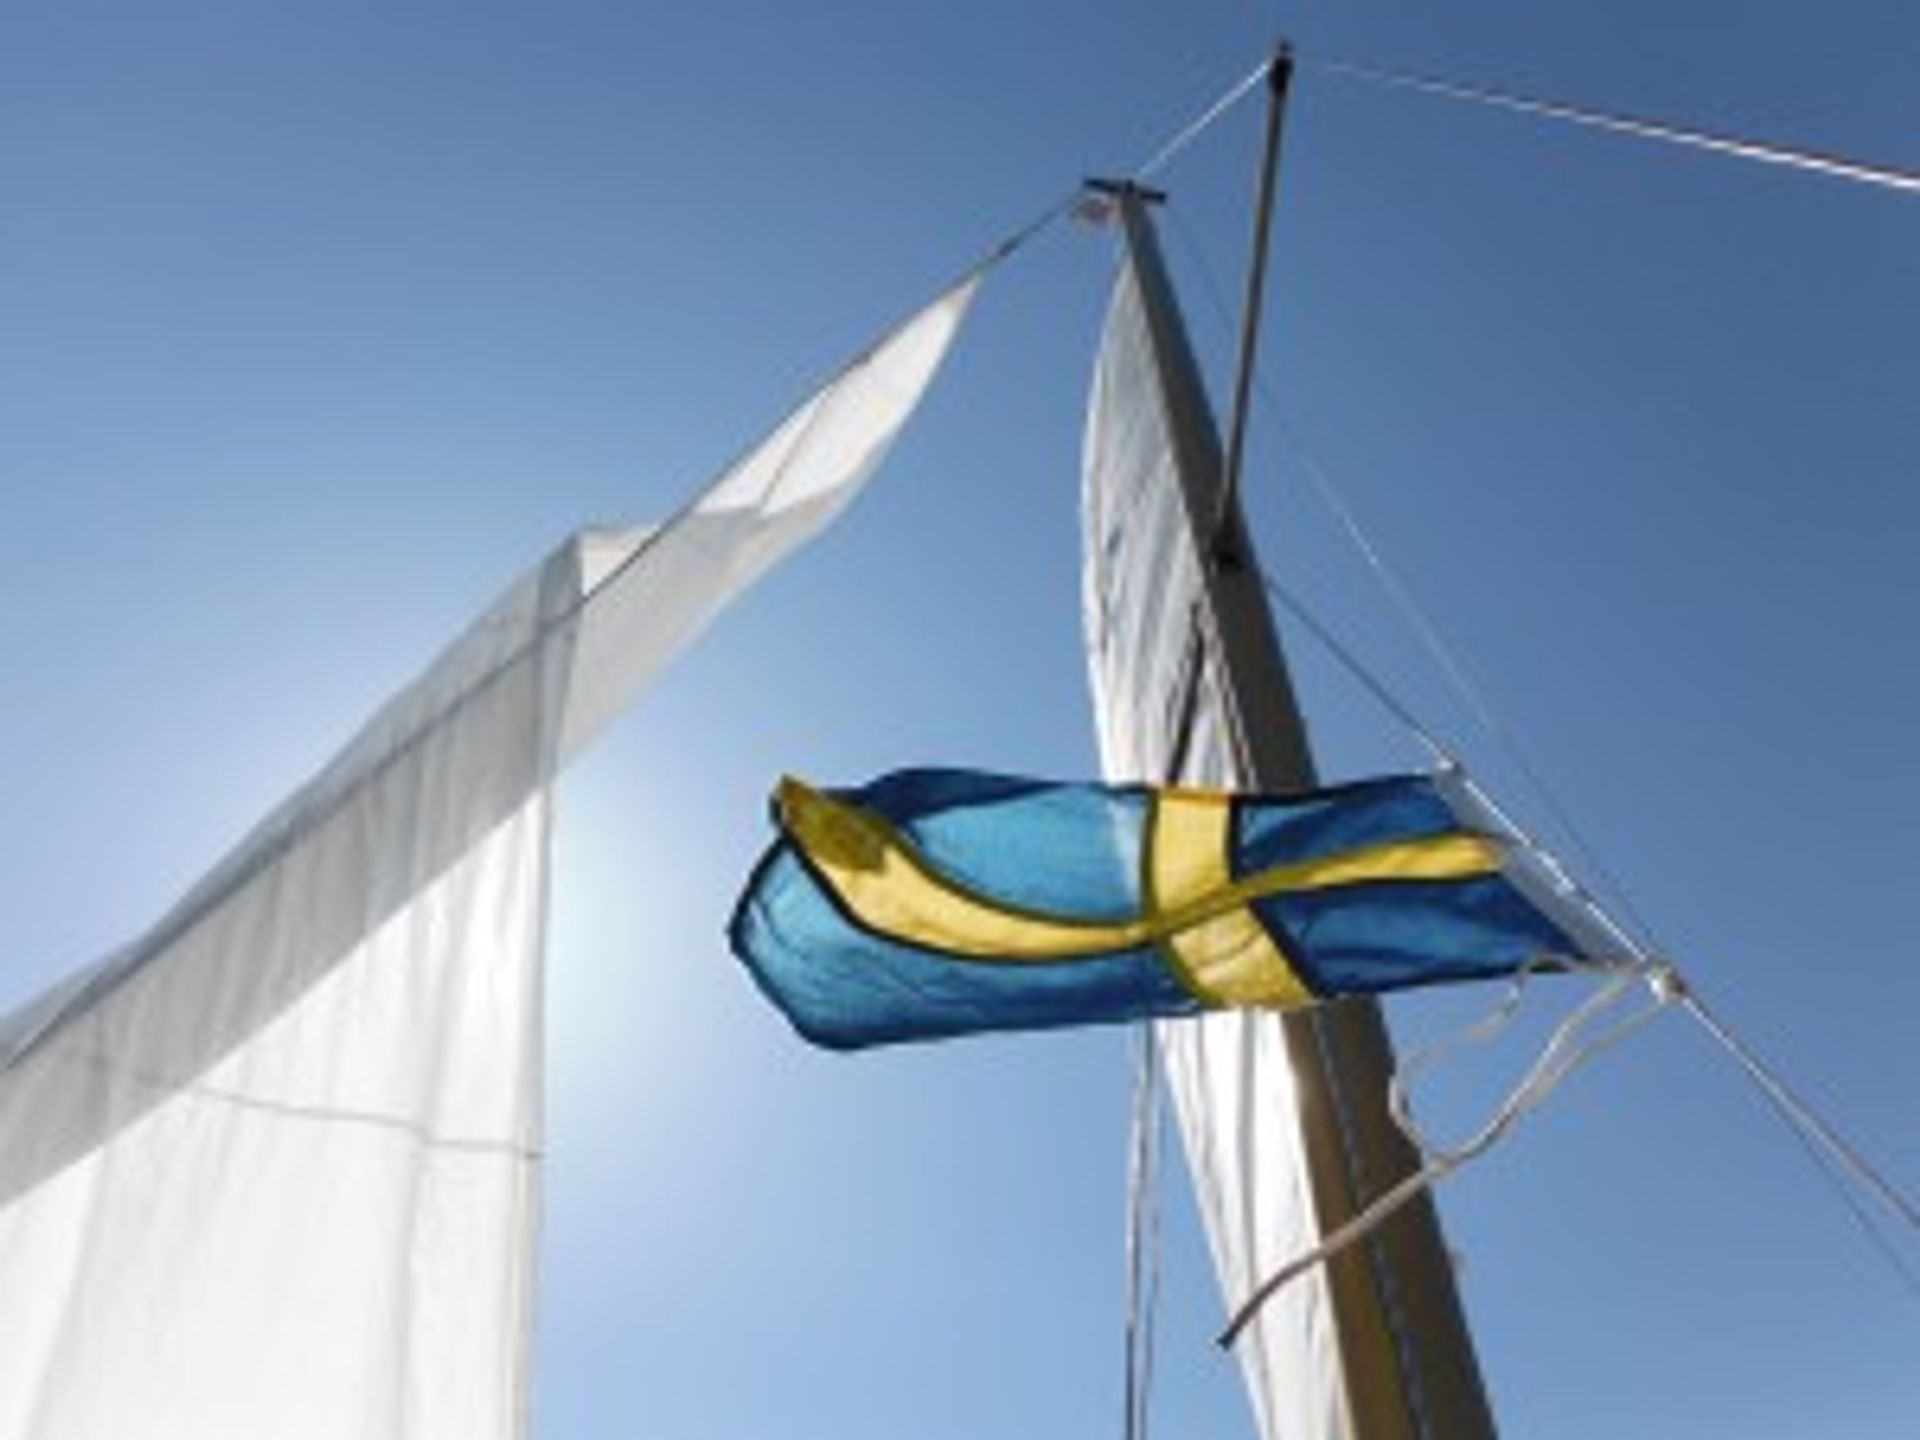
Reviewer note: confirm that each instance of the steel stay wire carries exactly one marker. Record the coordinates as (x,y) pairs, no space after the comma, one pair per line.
(1838,1159)
(1843,1166)
(1144,1233)
(1819,162)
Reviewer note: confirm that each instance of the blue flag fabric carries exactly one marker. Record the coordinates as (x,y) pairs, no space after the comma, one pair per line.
(943,902)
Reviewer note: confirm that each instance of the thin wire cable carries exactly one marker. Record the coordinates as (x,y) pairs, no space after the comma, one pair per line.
(1067,203)
(1806,1116)
(1823,1139)
(1445,660)
(1451,668)
(1143,1234)
(1834,1155)
(1344,654)
(1355,667)
(1019,237)
(182,917)
(1192,131)
(1819,162)
(1837,1159)
(1395,706)
(1454,671)
(1864,1219)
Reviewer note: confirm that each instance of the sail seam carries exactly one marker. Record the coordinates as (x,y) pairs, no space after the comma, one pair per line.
(422,1135)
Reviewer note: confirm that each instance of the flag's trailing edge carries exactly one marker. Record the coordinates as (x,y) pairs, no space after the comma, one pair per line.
(943,902)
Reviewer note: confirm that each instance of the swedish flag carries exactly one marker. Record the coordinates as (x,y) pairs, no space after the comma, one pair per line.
(942,902)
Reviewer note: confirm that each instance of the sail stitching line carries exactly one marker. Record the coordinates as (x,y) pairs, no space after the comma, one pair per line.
(426,1137)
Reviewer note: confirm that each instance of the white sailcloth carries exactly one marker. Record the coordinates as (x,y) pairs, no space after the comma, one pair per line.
(272,1170)
(1161,717)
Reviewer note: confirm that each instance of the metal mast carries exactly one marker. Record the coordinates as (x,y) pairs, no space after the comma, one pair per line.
(1407,1361)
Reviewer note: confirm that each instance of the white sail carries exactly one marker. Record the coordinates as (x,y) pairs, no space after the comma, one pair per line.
(1160,717)
(273,1169)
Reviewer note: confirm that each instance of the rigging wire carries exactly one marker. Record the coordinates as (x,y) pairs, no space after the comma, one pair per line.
(1837,1158)
(1192,131)
(1804,1116)
(1071,201)
(1143,1233)
(1845,1168)
(1144,1219)
(1840,1163)
(1368,679)
(1819,162)
(1446,661)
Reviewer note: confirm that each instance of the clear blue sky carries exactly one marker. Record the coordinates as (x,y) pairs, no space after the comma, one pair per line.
(319,321)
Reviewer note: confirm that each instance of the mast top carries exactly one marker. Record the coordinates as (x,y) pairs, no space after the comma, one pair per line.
(1114,188)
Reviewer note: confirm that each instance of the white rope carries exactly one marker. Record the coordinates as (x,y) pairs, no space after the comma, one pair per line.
(1570,1047)
(1573,1043)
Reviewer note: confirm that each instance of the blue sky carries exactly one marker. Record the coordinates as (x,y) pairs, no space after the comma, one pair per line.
(321,321)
